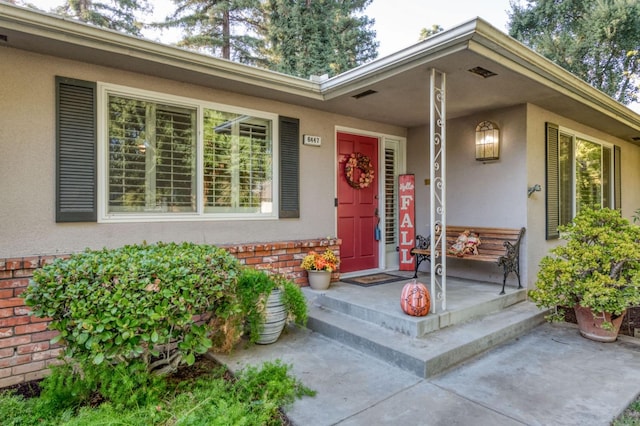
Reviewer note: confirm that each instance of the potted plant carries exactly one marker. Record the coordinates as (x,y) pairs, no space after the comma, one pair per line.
(319,268)
(268,302)
(597,273)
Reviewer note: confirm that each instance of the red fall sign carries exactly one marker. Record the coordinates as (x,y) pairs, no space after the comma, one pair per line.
(406,228)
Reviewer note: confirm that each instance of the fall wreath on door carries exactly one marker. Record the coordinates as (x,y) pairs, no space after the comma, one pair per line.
(361,163)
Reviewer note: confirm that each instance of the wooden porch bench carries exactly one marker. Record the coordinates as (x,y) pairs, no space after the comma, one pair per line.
(498,245)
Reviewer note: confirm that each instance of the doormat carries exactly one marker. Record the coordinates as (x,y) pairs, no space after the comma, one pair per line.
(374,279)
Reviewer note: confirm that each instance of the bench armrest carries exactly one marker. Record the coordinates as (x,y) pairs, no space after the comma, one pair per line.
(512,254)
(422,243)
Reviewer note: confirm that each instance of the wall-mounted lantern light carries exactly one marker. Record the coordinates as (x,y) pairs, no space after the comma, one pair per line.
(487,141)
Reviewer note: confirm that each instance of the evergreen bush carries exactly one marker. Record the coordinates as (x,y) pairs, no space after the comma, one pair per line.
(139,302)
(597,268)
(254,287)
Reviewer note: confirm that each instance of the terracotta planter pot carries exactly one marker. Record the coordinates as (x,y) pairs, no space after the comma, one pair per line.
(591,327)
(319,280)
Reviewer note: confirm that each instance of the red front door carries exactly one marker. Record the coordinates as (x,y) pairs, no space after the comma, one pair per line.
(357,207)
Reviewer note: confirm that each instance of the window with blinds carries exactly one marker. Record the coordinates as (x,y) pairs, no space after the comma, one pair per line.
(169,157)
(237,163)
(581,173)
(390,188)
(152,157)
(589,175)
(585,176)
(565,177)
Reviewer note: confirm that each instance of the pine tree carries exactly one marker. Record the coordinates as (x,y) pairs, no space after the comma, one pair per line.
(598,41)
(315,37)
(224,28)
(119,15)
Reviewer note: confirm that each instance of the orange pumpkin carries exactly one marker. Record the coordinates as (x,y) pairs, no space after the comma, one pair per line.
(415,299)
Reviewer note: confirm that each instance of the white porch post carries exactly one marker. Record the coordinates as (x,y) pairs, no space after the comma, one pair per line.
(437,153)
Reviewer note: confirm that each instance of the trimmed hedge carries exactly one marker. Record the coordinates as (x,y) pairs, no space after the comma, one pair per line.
(140,302)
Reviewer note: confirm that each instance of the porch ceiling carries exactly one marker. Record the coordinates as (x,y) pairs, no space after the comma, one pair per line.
(403,99)
(400,81)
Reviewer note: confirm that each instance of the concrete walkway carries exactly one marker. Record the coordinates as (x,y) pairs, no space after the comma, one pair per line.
(551,376)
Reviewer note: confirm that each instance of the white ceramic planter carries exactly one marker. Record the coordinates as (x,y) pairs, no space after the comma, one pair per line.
(319,280)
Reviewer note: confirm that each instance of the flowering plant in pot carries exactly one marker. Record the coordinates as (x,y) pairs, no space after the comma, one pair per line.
(319,267)
(596,271)
(315,261)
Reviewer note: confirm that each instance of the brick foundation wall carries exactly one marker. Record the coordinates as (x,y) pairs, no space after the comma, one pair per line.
(25,351)
(284,257)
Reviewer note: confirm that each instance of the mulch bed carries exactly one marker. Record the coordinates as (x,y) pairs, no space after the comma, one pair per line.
(27,389)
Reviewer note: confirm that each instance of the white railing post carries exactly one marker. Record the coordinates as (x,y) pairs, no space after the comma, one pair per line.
(437,154)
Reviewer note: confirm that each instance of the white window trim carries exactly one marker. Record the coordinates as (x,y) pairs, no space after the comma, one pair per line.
(578,135)
(571,132)
(106,89)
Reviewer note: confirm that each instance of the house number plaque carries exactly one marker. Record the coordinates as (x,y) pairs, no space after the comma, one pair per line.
(311,140)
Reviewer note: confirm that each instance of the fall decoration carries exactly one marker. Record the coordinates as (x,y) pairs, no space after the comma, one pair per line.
(315,261)
(358,161)
(415,299)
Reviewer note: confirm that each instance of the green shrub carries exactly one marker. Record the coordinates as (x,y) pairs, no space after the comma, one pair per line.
(294,301)
(253,399)
(139,302)
(124,386)
(598,267)
(254,287)
(271,381)
(66,389)
(15,410)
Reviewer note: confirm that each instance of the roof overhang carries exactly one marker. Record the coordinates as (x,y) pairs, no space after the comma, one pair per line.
(397,85)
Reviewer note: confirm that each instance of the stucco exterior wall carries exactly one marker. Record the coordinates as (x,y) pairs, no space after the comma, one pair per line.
(490,194)
(538,246)
(495,194)
(27,165)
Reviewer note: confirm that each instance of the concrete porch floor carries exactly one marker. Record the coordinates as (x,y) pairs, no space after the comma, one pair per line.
(380,304)
(486,368)
(370,320)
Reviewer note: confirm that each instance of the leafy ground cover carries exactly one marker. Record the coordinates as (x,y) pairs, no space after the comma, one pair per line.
(204,393)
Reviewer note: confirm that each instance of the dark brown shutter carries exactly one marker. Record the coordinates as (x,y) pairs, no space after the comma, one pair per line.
(289,167)
(552,182)
(617,179)
(75,151)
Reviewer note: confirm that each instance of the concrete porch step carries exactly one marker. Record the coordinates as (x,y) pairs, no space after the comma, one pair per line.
(434,352)
(381,306)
